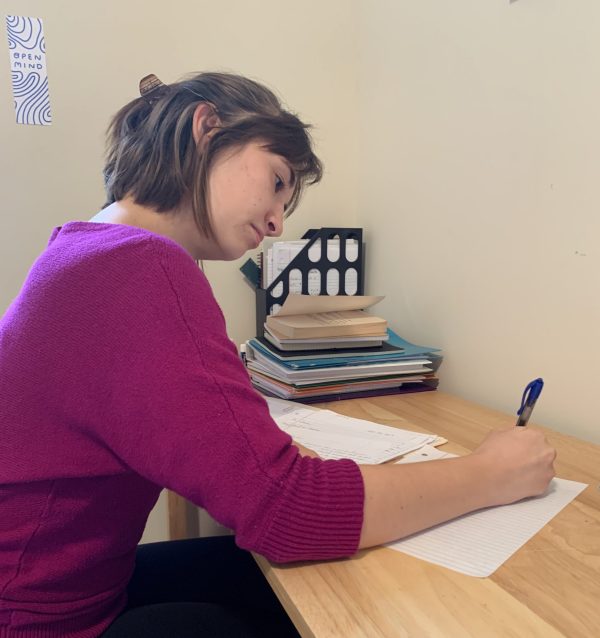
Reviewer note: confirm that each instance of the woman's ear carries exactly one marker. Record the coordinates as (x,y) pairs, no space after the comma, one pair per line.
(205,122)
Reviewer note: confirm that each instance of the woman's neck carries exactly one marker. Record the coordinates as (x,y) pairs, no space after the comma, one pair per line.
(179,226)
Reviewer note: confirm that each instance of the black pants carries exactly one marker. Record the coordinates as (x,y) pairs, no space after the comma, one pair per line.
(199,588)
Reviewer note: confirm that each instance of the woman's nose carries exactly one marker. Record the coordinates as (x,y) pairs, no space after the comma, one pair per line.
(275,223)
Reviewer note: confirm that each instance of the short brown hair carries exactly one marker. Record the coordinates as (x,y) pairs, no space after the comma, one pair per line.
(152,155)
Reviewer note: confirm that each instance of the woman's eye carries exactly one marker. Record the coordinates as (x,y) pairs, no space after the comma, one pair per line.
(278,183)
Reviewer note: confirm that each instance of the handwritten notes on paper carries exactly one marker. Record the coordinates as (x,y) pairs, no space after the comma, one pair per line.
(334,436)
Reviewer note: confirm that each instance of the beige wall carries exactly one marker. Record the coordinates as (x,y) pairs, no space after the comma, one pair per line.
(480,156)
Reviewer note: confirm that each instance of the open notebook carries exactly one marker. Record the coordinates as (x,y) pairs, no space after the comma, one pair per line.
(477,544)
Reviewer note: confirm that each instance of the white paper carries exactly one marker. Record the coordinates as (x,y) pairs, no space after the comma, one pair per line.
(426,453)
(280,407)
(282,253)
(334,436)
(27,50)
(307,304)
(478,543)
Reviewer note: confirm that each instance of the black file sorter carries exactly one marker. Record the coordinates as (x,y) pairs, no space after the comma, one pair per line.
(265,297)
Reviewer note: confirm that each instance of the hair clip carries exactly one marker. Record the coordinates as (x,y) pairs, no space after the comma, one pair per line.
(151,88)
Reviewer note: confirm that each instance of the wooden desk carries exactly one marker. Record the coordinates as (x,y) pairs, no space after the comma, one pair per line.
(550,587)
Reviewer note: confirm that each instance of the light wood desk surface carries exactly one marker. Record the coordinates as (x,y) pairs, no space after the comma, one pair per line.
(549,588)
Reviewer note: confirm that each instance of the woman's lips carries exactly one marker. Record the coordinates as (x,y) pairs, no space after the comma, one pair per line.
(259,235)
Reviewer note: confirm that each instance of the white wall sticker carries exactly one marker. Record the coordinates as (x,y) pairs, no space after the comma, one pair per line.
(27,50)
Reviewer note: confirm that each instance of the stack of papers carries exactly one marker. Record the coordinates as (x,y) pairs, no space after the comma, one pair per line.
(396,366)
(334,436)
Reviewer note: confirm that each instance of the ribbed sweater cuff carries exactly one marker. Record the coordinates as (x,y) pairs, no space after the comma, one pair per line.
(319,514)
(57,629)
(75,623)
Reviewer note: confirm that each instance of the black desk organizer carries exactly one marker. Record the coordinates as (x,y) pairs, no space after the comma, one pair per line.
(265,299)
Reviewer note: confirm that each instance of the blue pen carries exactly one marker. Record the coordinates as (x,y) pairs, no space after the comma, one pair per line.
(530,396)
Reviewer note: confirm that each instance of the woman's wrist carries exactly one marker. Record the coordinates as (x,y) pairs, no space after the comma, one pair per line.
(487,482)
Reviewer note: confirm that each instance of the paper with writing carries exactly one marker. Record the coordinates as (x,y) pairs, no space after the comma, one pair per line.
(334,436)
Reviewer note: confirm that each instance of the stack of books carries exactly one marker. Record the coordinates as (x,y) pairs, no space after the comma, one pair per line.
(336,355)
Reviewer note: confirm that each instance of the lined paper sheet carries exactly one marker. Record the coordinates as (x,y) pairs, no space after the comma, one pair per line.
(334,436)
(478,543)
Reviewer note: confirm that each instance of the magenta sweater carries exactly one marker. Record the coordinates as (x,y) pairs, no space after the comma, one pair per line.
(117,379)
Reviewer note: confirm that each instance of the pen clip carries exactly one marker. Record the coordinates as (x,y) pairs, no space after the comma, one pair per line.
(531,394)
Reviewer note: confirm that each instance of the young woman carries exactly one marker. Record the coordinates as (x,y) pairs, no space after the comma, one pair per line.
(117,379)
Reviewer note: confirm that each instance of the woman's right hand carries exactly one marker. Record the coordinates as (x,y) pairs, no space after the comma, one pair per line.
(520,460)
(403,499)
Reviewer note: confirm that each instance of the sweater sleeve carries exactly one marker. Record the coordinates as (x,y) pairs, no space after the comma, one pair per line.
(180,410)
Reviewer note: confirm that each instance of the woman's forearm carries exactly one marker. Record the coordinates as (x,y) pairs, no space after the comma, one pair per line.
(403,499)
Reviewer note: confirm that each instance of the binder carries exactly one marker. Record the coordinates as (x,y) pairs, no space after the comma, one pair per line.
(270,298)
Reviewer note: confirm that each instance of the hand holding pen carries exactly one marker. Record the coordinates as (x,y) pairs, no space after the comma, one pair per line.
(530,396)
(519,458)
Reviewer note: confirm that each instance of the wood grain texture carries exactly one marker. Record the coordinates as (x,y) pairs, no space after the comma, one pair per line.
(549,588)
(183,518)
